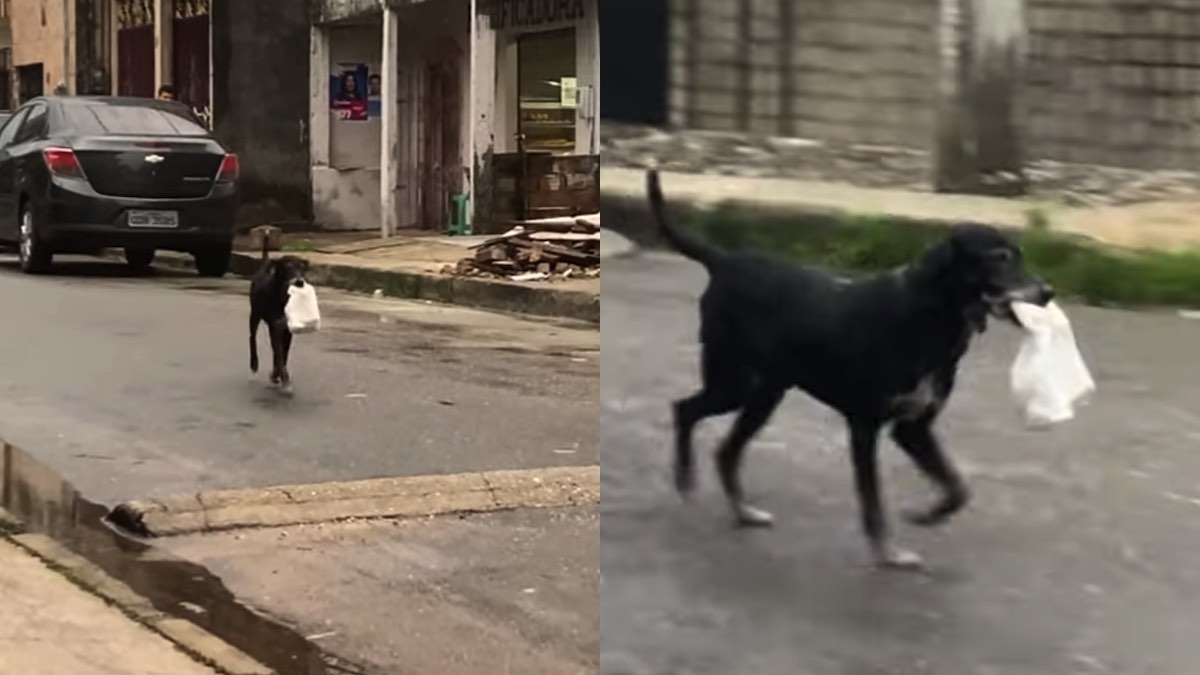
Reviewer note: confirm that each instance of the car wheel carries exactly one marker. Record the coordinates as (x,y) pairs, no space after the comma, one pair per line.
(34,257)
(213,261)
(139,259)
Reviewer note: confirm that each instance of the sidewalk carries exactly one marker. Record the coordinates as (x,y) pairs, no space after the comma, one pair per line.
(1167,224)
(50,626)
(410,265)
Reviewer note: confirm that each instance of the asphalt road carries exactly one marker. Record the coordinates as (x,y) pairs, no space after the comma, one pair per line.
(1078,555)
(140,387)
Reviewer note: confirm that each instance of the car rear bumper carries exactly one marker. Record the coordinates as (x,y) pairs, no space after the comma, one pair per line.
(77,218)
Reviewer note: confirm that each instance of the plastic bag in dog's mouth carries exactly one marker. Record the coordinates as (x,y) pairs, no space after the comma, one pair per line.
(1048,378)
(301,311)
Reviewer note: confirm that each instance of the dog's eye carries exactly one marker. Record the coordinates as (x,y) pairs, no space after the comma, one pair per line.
(1001,255)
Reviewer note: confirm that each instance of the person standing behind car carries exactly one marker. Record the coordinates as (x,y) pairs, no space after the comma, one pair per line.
(166,93)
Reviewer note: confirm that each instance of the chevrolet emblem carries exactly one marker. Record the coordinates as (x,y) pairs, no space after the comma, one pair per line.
(154,159)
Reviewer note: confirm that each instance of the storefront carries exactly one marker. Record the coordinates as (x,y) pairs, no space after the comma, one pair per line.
(547,75)
(480,103)
(547,92)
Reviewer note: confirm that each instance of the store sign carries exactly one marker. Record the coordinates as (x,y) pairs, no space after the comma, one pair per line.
(532,13)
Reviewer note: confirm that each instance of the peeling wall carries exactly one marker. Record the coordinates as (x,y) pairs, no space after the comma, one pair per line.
(264,118)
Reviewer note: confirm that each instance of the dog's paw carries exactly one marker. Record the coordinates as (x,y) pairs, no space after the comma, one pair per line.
(937,514)
(899,559)
(749,516)
(925,516)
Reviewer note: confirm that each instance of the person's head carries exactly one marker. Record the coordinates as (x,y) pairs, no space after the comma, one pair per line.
(166,93)
(374,84)
(349,84)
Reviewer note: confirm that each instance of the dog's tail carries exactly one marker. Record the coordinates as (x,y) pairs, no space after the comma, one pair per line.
(685,242)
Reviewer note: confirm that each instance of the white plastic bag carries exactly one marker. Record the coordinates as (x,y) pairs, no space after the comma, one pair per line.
(303,315)
(1048,377)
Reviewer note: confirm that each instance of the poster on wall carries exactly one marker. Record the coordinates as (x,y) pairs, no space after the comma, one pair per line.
(348,87)
(568,92)
(374,92)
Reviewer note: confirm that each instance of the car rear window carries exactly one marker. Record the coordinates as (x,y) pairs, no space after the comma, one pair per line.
(129,120)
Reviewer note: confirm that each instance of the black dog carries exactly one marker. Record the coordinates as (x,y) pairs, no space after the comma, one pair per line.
(881,350)
(268,297)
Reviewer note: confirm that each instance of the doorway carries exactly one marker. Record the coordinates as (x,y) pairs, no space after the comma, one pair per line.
(31,81)
(191,53)
(135,48)
(442,152)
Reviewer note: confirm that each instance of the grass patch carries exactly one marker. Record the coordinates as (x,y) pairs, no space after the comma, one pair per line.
(298,245)
(1076,266)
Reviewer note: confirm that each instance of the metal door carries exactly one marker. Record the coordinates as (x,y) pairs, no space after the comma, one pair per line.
(442,159)
(135,48)
(191,57)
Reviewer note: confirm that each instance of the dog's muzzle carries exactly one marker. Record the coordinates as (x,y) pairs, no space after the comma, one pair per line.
(1037,293)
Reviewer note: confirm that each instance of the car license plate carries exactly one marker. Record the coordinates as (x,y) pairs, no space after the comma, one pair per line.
(154,219)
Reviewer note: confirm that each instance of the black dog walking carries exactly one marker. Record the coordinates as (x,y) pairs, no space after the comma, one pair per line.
(881,350)
(268,298)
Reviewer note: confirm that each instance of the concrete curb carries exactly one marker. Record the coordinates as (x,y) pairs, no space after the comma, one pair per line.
(478,293)
(188,637)
(411,496)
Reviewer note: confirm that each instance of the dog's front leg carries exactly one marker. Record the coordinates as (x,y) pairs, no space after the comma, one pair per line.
(276,329)
(864,447)
(286,339)
(917,440)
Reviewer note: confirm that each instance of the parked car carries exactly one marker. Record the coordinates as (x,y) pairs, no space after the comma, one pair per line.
(80,174)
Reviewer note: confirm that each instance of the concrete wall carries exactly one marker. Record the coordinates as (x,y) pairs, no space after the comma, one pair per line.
(1108,82)
(851,70)
(1115,82)
(260,97)
(39,35)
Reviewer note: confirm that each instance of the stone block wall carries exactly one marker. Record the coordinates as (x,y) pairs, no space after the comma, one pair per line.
(851,70)
(1110,81)
(1115,82)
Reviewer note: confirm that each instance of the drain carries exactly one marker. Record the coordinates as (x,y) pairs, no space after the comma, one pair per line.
(47,504)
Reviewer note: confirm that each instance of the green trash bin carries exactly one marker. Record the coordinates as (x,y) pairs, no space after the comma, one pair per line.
(459,221)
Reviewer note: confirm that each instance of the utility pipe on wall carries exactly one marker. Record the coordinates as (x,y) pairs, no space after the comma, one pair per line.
(471,77)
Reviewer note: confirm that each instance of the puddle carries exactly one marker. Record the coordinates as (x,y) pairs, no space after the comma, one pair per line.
(48,505)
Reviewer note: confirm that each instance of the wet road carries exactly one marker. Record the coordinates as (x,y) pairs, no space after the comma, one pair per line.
(139,387)
(1078,555)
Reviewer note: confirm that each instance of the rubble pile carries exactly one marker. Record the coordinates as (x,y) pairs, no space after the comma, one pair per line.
(535,250)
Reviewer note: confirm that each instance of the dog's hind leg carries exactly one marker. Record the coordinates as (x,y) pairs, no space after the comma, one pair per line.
(758,407)
(254,321)
(864,450)
(725,386)
(917,439)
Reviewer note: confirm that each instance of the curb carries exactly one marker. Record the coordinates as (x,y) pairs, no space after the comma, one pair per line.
(194,641)
(537,301)
(411,496)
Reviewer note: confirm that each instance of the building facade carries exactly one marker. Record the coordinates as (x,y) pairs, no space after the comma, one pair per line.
(241,66)
(417,107)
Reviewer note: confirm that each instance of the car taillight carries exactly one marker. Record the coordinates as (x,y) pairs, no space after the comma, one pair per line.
(230,168)
(62,162)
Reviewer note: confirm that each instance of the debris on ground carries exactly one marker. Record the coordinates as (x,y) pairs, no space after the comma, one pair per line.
(537,250)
